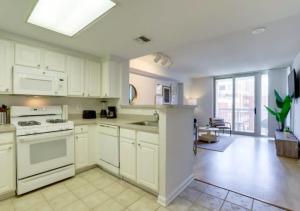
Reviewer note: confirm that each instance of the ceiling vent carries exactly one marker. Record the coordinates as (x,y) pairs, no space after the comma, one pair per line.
(142,39)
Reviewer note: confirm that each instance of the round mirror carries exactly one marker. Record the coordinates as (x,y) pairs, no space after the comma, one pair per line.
(132,93)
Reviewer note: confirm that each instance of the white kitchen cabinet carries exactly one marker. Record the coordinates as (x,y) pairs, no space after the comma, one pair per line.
(128,158)
(81,151)
(54,61)
(147,165)
(7,163)
(6,63)
(92,79)
(27,56)
(111,79)
(75,70)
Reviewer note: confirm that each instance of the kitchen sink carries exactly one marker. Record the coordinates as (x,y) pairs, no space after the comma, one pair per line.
(146,123)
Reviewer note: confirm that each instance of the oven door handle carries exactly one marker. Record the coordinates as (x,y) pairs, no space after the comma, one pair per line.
(45,136)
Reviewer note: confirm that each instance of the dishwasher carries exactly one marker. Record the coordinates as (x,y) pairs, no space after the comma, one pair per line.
(108,148)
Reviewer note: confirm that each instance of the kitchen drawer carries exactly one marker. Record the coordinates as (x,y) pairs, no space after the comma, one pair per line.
(108,129)
(126,133)
(6,138)
(81,129)
(151,138)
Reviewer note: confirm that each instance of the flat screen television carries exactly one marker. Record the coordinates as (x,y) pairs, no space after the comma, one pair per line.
(292,84)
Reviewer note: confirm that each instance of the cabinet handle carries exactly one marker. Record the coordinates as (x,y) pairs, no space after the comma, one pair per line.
(47,67)
(133,143)
(38,65)
(139,145)
(7,90)
(83,94)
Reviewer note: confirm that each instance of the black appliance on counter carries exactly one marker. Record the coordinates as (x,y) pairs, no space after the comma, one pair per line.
(103,112)
(111,112)
(89,114)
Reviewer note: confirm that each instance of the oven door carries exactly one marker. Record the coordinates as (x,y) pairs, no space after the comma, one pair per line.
(44,152)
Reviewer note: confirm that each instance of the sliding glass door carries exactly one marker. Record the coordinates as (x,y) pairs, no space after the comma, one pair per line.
(236,100)
(244,104)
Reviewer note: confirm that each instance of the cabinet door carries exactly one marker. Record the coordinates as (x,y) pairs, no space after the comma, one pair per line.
(128,158)
(81,151)
(75,76)
(6,168)
(111,79)
(6,63)
(92,79)
(54,61)
(27,56)
(147,165)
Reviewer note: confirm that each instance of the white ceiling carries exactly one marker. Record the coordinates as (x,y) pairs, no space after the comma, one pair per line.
(201,36)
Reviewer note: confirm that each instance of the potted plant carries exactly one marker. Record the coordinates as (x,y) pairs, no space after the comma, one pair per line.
(280,113)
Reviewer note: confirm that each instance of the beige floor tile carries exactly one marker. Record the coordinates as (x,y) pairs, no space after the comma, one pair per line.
(209,201)
(84,190)
(127,197)
(76,206)
(75,182)
(109,205)
(162,209)
(62,200)
(258,206)
(144,204)
(197,207)
(239,199)
(42,206)
(133,187)
(114,189)
(216,191)
(103,182)
(227,206)
(54,190)
(180,204)
(199,186)
(6,205)
(95,199)
(190,194)
(28,200)
(91,175)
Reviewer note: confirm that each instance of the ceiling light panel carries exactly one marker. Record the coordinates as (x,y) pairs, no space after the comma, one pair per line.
(68,16)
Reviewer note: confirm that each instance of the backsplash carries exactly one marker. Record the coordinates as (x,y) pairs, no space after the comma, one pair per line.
(75,105)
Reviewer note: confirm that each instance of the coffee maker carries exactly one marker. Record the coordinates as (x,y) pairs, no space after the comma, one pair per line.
(112,112)
(103,112)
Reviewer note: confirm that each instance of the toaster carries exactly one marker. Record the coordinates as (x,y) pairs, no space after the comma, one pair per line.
(89,114)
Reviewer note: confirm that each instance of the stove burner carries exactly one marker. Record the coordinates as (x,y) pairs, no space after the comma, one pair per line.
(54,121)
(28,123)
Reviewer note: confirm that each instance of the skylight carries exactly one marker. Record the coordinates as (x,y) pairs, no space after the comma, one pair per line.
(68,16)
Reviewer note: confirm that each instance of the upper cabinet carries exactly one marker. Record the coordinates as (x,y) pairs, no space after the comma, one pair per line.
(75,70)
(6,63)
(111,79)
(55,61)
(92,79)
(27,56)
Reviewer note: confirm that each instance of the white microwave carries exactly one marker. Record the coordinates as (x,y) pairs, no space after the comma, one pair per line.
(31,81)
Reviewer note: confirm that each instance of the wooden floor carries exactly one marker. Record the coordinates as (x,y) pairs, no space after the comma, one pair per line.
(250,166)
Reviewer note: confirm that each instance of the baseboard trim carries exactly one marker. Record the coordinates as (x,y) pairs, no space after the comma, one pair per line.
(165,201)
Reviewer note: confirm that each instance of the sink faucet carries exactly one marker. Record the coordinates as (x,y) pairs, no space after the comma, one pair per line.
(156,114)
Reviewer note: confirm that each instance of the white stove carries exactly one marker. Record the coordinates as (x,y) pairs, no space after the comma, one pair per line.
(45,146)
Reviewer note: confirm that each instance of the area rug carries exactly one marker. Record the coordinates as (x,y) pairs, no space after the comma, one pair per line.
(220,146)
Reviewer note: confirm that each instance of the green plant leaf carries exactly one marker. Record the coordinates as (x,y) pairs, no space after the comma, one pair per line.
(278,99)
(271,110)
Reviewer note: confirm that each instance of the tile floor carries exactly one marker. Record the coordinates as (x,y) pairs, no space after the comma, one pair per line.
(97,190)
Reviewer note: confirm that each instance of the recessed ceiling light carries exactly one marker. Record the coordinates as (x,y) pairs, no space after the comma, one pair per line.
(259,30)
(68,16)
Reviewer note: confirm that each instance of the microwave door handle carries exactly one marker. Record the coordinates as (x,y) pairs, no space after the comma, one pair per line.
(45,136)
(36,79)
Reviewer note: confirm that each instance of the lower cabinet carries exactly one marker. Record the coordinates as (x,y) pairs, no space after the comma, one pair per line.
(128,158)
(139,157)
(81,147)
(147,165)
(81,151)
(7,163)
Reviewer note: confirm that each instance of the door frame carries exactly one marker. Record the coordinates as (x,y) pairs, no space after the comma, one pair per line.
(257,98)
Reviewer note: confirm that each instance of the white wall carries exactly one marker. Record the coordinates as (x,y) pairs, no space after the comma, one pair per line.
(278,81)
(295,117)
(202,90)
